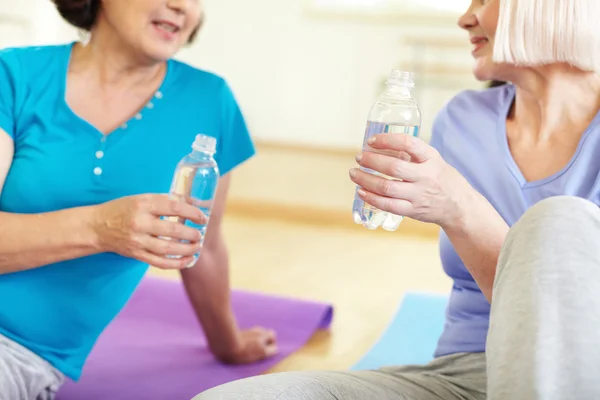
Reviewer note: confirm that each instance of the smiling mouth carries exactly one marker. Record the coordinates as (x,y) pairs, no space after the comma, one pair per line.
(478,43)
(166,26)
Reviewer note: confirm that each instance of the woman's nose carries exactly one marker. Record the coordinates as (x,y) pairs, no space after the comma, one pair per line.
(468,20)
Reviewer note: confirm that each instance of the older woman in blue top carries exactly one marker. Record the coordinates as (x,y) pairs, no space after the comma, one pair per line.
(90,135)
(512,178)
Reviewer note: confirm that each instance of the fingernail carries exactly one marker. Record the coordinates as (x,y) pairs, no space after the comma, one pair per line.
(353,172)
(362,193)
(371,140)
(188,262)
(359,157)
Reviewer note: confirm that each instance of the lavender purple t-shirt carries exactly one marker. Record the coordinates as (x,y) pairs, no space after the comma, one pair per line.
(470,134)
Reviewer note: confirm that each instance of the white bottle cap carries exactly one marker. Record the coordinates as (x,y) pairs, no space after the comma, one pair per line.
(402,78)
(205,143)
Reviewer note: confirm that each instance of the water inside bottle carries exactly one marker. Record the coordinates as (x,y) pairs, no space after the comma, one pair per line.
(195,185)
(205,207)
(365,214)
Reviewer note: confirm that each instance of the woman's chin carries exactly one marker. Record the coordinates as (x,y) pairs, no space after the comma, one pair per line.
(484,71)
(160,51)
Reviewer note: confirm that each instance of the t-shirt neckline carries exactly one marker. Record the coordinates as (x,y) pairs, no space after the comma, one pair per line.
(508,157)
(150,105)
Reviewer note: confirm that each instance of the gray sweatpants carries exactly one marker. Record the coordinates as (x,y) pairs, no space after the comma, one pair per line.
(24,375)
(544,336)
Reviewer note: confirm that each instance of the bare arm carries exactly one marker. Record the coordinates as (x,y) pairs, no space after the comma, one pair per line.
(207,284)
(478,238)
(30,241)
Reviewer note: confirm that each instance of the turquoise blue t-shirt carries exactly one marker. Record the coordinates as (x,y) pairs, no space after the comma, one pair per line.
(470,134)
(61,161)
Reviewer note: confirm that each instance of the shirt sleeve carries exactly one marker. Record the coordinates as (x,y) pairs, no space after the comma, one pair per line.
(235,145)
(8,79)
(437,140)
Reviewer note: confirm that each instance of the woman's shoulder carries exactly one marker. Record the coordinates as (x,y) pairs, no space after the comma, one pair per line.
(471,116)
(30,53)
(473,108)
(483,101)
(29,62)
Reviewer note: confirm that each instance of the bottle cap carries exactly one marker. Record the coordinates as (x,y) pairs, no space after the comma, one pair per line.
(205,143)
(402,78)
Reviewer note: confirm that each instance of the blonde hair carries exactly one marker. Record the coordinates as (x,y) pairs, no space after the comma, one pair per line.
(538,32)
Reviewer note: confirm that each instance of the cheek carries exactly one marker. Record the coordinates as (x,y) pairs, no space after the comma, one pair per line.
(488,18)
(193,20)
(126,21)
(488,25)
(193,24)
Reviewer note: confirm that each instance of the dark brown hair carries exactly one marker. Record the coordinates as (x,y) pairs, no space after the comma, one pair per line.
(83,14)
(493,84)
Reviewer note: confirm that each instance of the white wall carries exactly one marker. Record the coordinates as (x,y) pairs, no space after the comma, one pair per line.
(41,24)
(302,79)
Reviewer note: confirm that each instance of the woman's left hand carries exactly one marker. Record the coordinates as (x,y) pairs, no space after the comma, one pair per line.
(426,188)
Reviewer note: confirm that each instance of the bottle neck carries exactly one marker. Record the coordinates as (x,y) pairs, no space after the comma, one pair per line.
(399,90)
(202,154)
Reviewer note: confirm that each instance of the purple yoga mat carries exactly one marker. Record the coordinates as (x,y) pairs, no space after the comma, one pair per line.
(155,348)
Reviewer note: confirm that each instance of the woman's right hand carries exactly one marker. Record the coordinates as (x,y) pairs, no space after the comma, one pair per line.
(132,227)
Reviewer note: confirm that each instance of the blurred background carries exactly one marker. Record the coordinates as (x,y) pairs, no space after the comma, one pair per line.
(305,73)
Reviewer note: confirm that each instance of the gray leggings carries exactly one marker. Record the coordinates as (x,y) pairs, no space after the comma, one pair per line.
(544,336)
(24,375)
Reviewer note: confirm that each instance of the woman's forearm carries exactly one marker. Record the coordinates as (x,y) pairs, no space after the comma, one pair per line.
(30,241)
(207,286)
(478,239)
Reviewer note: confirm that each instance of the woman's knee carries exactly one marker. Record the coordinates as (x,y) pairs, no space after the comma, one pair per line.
(556,232)
(560,212)
(322,385)
(556,219)
(280,386)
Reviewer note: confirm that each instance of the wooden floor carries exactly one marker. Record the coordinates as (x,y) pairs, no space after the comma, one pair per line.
(362,273)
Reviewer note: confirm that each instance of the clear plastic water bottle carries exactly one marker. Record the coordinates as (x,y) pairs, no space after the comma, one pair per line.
(195,181)
(395,112)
